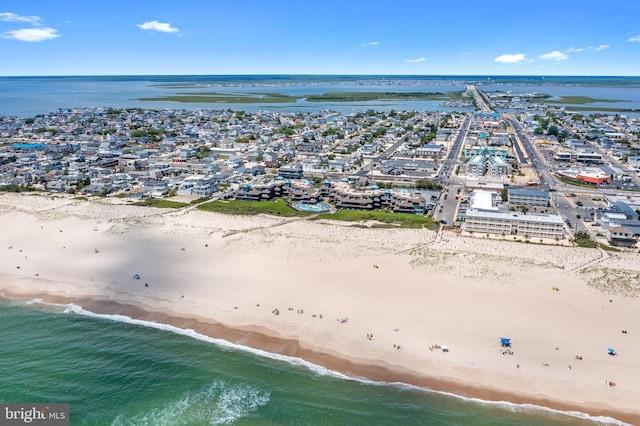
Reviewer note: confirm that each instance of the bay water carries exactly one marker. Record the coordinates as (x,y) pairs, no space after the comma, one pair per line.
(28,96)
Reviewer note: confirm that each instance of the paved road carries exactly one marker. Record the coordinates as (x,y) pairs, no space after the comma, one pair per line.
(480,103)
(522,158)
(449,163)
(446,206)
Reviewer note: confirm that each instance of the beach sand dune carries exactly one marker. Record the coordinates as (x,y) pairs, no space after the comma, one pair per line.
(371,302)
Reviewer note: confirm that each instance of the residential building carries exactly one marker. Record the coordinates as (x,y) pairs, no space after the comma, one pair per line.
(511,223)
(528,197)
(619,236)
(291,172)
(430,151)
(486,164)
(155,188)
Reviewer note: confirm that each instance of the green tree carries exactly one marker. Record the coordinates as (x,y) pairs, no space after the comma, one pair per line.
(204,152)
(504,194)
(427,184)
(562,135)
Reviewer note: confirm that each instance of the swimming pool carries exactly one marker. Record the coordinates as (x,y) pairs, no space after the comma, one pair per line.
(312,208)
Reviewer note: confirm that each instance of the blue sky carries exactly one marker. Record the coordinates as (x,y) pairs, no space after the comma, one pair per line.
(427,37)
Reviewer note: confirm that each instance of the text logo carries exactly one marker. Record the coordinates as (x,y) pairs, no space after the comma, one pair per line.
(34,414)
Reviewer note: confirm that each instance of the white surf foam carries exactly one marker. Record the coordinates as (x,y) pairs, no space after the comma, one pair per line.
(73,308)
(520,408)
(220,403)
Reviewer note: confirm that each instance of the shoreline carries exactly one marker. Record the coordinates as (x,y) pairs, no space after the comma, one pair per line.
(429,289)
(376,372)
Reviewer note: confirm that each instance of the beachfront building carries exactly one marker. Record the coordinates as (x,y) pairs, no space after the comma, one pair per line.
(512,223)
(340,193)
(528,197)
(620,236)
(260,192)
(202,186)
(398,201)
(155,188)
(295,190)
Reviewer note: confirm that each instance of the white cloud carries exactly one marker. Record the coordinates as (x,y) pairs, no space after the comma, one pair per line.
(591,48)
(554,56)
(465,54)
(370,44)
(635,39)
(12,17)
(163,27)
(32,34)
(510,59)
(420,59)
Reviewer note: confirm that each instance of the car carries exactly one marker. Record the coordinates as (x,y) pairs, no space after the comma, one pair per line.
(442,221)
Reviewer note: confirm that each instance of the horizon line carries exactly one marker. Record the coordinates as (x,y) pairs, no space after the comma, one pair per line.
(325,75)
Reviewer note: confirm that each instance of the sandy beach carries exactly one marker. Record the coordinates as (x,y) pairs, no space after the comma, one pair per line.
(370,302)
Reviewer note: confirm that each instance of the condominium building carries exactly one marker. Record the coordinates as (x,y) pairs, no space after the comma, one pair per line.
(512,223)
(528,197)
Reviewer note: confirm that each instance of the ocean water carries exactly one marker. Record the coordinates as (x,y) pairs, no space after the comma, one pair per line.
(118,371)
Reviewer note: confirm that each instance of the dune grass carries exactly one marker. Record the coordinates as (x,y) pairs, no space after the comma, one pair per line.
(236,207)
(163,204)
(401,220)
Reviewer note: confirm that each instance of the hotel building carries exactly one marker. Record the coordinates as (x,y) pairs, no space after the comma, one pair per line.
(512,223)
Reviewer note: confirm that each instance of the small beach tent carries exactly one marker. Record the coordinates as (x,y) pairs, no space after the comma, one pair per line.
(445,348)
(611,351)
(136,277)
(505,342)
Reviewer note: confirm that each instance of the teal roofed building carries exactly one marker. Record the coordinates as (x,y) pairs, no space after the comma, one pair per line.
(486,164)
(494,151)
